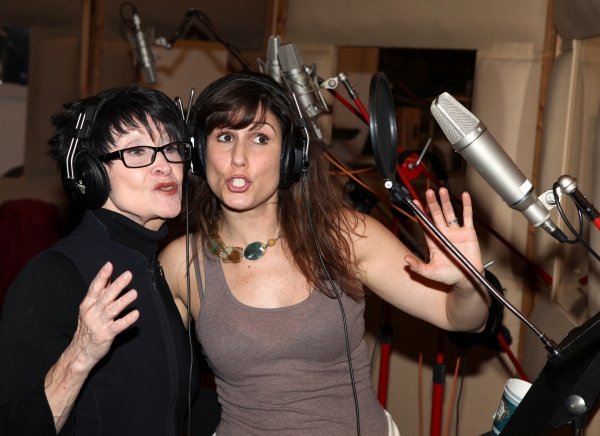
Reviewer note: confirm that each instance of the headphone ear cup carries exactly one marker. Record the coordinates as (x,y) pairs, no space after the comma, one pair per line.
(199,153)
(290,164)
(89,186)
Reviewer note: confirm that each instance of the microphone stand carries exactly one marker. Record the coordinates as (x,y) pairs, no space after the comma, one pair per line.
(567,388)
(399,193)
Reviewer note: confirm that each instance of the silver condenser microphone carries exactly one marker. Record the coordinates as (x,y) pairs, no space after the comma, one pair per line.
(271,66)
(142,51)
(470,137)
(304,85)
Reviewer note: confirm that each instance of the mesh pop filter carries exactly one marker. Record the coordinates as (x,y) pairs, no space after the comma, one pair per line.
(384,134)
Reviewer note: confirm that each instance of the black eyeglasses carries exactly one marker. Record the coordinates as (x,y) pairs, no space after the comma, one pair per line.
(143,156)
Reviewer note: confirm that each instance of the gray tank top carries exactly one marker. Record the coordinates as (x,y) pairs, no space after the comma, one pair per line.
(285,371)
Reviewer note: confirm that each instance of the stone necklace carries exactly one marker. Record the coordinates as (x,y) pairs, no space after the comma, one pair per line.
(253,251)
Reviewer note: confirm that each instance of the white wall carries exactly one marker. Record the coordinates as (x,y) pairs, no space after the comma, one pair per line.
(458,24)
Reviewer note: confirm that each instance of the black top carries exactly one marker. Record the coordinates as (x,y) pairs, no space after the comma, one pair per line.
(141,386)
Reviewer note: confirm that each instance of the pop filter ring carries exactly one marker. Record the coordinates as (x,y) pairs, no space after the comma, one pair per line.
(382,126)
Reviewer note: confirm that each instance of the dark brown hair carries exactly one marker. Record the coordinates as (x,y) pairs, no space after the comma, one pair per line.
(241,103)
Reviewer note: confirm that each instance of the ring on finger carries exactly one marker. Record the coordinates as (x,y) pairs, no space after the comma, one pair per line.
(453,222)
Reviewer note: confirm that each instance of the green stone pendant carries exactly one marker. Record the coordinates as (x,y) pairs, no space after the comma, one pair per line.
(255,250)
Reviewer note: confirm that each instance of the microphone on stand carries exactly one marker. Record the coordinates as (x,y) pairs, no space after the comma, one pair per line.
(384,137)
(304,85)
(142,50)
(272,66)
(470,137)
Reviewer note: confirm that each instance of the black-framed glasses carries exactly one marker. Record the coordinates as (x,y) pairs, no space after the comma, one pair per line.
(144,155)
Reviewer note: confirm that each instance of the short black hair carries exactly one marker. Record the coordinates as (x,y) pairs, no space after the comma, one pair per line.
(129,107)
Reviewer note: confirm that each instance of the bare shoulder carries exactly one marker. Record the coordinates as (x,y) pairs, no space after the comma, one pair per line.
(354,223)
(172,259)
(173,254)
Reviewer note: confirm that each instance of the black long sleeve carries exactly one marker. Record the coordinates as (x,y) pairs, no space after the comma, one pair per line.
(38,321)
(141,385)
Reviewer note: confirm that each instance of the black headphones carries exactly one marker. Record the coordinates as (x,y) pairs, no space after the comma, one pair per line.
(294,149)
(84,177)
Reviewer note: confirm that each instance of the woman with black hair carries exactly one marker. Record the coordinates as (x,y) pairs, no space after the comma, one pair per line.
(264,297)
(90,339)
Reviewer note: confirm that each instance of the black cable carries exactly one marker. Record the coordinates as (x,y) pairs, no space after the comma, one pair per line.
(203,18)
(133,10)
(462,379)
(337,295)
(562,214)
(189,294)
(579,237)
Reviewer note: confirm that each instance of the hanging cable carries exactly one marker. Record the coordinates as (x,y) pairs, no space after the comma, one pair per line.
(189,294)
(421,342)
(128,22)
(337,295)
(462,379)
(579,236)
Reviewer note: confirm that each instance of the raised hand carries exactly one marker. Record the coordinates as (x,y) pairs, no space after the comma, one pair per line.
(442,266)
(97,328)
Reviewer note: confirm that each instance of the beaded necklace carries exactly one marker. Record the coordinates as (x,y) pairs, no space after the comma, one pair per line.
(253,251)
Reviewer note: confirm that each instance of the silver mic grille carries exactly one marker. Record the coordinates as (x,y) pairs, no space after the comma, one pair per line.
(290,58)
(271,66)
(301,80)
(454,119)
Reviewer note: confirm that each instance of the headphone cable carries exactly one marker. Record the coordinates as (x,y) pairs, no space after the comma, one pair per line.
(579,236)
(337,295)
(189,321)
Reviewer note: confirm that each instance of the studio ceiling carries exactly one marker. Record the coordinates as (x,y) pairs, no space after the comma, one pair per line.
(470,24)
(241,22)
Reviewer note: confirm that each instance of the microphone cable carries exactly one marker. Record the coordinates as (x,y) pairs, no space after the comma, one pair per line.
(337,296)
(578,236)
(189,300)
(462,379)
(123,19)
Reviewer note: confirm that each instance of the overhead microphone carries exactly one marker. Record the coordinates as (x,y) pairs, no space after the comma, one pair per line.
(471,138)
(302,80)
(271,66)
(142,50)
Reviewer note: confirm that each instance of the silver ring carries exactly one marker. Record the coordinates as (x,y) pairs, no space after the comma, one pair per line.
(451,223)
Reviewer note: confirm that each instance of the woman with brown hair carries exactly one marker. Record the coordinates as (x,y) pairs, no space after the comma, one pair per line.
(274,260)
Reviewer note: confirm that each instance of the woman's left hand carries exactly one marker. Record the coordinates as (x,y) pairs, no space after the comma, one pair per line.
(442,266)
